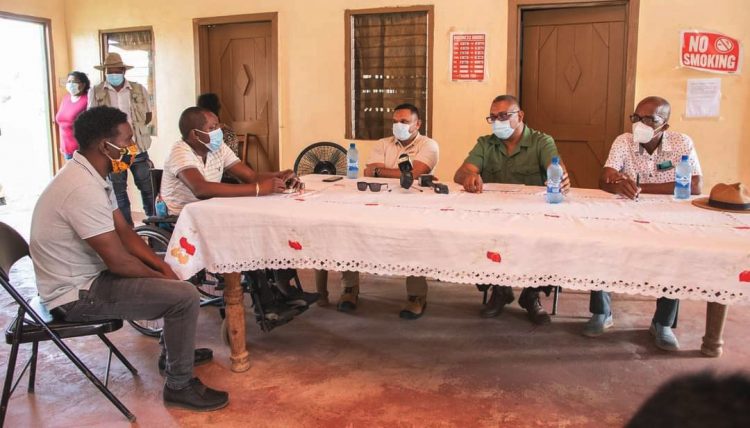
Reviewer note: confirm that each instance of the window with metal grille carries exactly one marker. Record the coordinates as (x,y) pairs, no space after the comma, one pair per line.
(136,47)
(389,62)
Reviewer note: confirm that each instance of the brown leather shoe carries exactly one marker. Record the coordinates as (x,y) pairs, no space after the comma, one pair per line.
(348,299)
(529,300)
(500,297)
(414,307)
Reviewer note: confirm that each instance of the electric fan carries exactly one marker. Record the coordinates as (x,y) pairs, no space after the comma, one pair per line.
(321,158)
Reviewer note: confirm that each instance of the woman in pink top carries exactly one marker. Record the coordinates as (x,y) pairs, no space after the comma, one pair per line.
(73,104)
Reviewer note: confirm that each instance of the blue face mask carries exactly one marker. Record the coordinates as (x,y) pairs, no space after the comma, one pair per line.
(216,137)
(115,79)
(502,129)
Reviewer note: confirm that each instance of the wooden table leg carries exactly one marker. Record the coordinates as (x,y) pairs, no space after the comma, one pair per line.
(235,311)
(716,314)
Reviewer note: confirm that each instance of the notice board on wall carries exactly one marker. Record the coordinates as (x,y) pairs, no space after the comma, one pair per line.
(468,56)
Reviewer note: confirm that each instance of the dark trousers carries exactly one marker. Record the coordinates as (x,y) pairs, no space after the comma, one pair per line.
(141,167)
(115,297)
(600,302)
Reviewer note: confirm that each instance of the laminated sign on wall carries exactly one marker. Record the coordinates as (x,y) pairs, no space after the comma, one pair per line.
(468,56)
(708,51)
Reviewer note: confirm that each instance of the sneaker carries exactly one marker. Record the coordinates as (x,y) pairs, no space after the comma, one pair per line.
(414,307)
(597,324)
(664,336)
(529,300)
(195,396)
(348,299)
(201,356)
(499,297)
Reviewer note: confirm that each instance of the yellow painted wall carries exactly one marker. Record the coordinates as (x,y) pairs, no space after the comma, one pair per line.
(311,68)
(723,145)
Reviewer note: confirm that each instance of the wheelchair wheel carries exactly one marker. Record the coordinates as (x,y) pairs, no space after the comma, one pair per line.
(150,328)
(158,240)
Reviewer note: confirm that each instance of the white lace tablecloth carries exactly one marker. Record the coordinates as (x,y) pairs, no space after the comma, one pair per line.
(507,235)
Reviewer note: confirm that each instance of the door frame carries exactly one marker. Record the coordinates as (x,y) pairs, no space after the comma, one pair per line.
(49,53)
(517,7)
(200,39)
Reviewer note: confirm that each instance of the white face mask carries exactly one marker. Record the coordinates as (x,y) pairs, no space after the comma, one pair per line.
(643,133)
(401,131)
(73,88)
(502,129)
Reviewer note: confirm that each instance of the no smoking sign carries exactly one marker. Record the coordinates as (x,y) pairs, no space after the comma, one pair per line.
(712,52)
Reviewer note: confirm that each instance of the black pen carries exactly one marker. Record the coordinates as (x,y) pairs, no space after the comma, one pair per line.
(638,186)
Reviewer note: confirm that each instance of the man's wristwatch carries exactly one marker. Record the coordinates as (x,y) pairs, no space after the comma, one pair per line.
(376,172)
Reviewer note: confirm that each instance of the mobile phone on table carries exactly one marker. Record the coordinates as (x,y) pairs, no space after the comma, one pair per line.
(332,179)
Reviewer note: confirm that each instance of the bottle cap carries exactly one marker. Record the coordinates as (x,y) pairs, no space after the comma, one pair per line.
(685,158)
(555,160)
(351,146)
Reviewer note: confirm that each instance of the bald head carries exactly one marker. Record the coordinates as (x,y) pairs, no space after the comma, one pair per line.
(656,105)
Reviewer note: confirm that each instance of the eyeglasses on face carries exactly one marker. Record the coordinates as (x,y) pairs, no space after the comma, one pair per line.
(374,187)
(503,115)
(647,120)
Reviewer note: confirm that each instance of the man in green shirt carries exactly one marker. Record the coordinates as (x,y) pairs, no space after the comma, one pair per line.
(514,154)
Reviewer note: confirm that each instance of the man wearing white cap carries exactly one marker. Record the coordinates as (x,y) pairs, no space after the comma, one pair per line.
(132,99)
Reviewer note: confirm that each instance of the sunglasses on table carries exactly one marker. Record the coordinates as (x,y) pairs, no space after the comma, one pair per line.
(374,187)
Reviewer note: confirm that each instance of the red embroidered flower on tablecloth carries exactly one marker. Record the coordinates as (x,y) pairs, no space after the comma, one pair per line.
(296,245)
(743,227)
(185,245)
(446,209)
(494,256)
(372,204)
(745,276)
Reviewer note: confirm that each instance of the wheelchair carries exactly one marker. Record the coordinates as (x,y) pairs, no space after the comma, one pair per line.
(270,290)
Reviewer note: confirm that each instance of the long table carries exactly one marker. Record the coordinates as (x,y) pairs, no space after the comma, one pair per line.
(507,235)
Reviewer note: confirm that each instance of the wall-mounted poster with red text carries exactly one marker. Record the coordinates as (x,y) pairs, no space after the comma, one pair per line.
(712,52)
(468,56)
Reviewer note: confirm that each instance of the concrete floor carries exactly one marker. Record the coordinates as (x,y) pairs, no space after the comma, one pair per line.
(371,368)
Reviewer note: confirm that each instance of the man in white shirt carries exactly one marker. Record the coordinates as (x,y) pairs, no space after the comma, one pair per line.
(648,155)
(196,163)
(132,99)
(383,162)
(90,265)
(193,171)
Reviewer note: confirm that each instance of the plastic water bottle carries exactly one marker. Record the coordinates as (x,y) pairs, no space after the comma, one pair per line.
(682,176)
(352,162)
(161,207)
(554,182)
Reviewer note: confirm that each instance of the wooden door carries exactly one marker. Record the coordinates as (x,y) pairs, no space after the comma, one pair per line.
(573,82)
(241,72)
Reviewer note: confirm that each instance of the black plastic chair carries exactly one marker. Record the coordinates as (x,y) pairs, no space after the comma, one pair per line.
(30,327)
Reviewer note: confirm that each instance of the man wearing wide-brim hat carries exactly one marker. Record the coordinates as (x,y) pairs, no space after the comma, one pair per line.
(133,100)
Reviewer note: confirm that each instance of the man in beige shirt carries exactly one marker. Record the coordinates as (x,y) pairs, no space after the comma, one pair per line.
(383,162)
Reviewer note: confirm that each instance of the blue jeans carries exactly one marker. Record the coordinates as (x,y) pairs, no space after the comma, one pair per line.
(141,168)
(600,302)
(178,302)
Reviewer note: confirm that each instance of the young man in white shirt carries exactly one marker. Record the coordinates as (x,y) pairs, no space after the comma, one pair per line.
(649,154)
(383,162)
(193,171)
(90,265)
